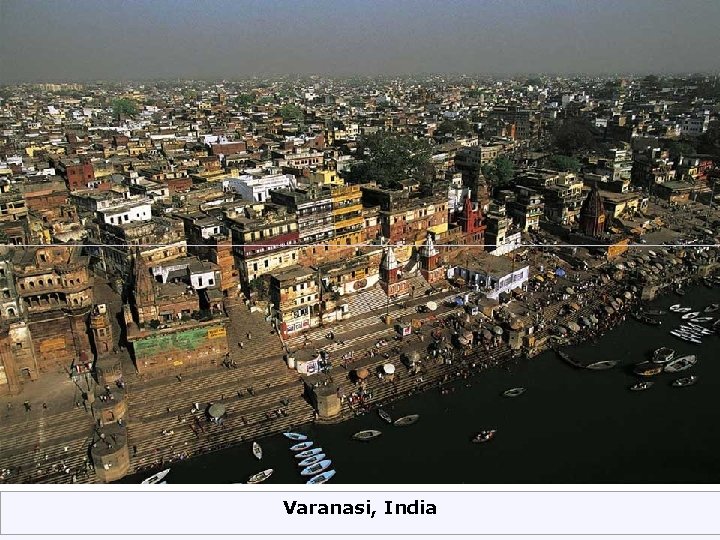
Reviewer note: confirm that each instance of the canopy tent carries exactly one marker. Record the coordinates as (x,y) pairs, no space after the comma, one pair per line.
(432,306)
(389,369)
(498,330)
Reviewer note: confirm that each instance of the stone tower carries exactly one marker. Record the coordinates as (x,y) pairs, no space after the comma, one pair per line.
(390,279)
(430,267)
(145,304)
(101,330)
(592,214)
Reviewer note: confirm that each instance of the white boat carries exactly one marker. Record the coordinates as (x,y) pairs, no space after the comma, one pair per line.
(514,392)
(642,385)
(683,310)
(367,435)
(663,355)
(691,339)
(681,364)
(690,315)
(701,319)
(260,477)
(295,436)
(674,308)
(603,364)
(712,308)
(408,420)
(484,436)
(385,416)
(156,478)
(307,453)
(316,468)
(685,381)
(311,460)
(322,477)
(257,450)
(301,446)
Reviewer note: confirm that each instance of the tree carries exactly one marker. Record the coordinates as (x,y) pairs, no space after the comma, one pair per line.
(291,113)
(680,148)
(124,108)
(559,162)
(709,142)
(499,172)
(574,135)
(390,158)
(244,100)
(453,126)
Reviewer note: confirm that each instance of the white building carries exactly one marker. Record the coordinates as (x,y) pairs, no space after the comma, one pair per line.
(257,188)
(491,275)
(127,212)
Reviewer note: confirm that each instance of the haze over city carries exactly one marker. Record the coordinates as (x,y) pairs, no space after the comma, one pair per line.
(88,40)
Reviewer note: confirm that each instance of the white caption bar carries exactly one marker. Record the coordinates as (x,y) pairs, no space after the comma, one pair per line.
(206,513)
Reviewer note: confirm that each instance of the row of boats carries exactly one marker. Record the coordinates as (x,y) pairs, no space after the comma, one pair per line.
(370,434)
(312,460)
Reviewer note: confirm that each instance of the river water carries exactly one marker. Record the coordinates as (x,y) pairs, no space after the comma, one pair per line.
(571,426)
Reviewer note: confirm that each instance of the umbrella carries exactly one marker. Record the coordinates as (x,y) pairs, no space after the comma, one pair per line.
(573,326)
(432,306)
(362,373)
(216,410)
(498,330)
(609,310)
(628,295)
(559,272)
(389,369)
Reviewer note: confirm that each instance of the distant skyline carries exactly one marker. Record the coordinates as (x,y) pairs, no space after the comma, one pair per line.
(82,40)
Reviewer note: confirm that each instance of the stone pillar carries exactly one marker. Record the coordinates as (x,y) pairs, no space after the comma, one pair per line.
(110,454)
(327,403)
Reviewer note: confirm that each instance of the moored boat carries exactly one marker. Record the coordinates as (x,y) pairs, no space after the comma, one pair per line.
(712,308)
(308,453)
(301,446)
(385,416)
(643,318)
(681,364)
(663,355)
(484,436)
(690,315)
(569,359)
(157,477)
(316,468)
(514,392)
(257,450)
(603,364)
(685,381)
(260,477)
(675,308)
(311,460)
(697,320)
(647,369)
(322,477)
(408,420)
(295,436)
(642,385)
(367,435)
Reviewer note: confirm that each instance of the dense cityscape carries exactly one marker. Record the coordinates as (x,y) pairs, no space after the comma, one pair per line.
(190,265)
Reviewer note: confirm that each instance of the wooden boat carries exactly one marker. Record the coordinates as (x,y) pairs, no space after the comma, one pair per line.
(260,477)
(646,319)
(301,446)
(385,416)
(257,450)
(311,460)
(683,309)
(308,453)
(295,436)
(514,392)
(680,291)
(408,420)
(569,359)
(603,364)
(698,320)
(642,385)
(367,435)
(663,355)
(675,308)
(656,312)
(681,364)
(685,381)
(484,436)
(647,369)
(712,308)
(690,315)
(316,468)
(322,477)
(157,477)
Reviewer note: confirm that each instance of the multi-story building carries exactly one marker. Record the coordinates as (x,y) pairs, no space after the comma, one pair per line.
(295,296)
(257,188)
(527,208)
(409,221)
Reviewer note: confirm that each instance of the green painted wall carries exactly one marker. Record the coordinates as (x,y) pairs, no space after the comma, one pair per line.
(187,340)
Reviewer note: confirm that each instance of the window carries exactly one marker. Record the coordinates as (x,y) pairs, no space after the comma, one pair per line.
(267,263)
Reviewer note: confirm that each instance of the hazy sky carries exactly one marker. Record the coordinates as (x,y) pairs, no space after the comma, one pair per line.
(46,40)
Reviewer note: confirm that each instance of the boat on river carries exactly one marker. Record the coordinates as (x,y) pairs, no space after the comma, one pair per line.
(681,364)
(712,308)
(569,359)
(385,416)
(675,308)
(698,320)
(408,420)
(484,436)
(308,453)
(316,468)
(655,312)
(367,435)
(260,477)
(603,364)
(647,369)
(311,460)
(257,450)
(685,381)
(514,392)
(642,385)
(690,315)
(295,436)
(301,446)
(646,319)
(663,355)
(322,477)
(157,477)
